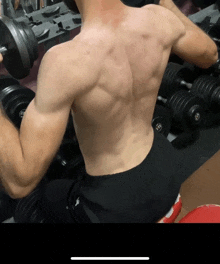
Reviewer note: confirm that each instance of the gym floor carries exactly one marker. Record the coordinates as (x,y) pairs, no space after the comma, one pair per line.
(203,185)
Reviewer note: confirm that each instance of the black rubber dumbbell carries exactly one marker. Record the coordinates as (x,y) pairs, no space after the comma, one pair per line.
(19,47)
(176,77)
(69,157)
(15,100)
(162,120)
(188,111)
(7,80)
(208,88)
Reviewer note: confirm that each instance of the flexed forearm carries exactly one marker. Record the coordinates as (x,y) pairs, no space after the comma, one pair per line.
(11,156)
(198,38)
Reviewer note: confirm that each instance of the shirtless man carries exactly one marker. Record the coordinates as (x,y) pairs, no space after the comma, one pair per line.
(109,76)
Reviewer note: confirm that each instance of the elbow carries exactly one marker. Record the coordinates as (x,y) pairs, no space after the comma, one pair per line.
(15,195)
(210,58)
(18,192)
(20,182)
(24,185)
(215,56)
(20,189)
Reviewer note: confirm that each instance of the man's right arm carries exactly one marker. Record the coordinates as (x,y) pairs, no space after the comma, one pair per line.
(192,44)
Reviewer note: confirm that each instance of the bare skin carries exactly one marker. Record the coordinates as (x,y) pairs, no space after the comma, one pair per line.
(109,76)
(113,119)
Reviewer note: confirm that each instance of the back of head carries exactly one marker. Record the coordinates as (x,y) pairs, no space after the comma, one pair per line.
(136,3)
(71,4)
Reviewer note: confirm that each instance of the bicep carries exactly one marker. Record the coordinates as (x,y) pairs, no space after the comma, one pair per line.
(192,44)
(196,48)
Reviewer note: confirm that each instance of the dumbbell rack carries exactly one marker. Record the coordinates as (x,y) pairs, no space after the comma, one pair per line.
(7,9)
(212,11)
(205,142)
(49,23)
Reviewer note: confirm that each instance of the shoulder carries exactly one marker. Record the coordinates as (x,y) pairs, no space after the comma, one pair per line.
(153,7)
(160,12)
(58,56)
(67,64)
(166,20)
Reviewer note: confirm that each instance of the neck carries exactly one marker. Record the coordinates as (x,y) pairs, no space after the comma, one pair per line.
(99,10)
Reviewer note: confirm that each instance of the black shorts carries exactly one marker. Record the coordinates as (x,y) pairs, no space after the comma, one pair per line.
(143,194)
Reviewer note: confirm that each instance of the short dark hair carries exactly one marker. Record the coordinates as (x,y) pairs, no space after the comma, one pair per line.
(135,3)
(71,4)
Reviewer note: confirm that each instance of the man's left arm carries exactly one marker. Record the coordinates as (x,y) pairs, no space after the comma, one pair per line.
(26,154)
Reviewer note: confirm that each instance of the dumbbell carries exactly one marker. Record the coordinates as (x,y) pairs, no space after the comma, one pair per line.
(188,111)
(178,77)
(207,88)
(7,80)
(7,206)
(19,47)
(29,209)
(69,158)
(15,99)
(162,120)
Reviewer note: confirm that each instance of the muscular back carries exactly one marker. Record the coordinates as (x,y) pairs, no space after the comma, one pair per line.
(125,64)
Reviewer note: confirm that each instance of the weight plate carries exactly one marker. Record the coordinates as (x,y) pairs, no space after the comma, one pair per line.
(15,100)
(13,90)
(26,41)
(31,39)
(162,120)
(16,109)
(16,59)
(180,106)
(173,103)
(6,81)
(195,115)
(204,86)
(216,99)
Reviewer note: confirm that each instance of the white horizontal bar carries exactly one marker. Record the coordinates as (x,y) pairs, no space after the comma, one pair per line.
(110,258)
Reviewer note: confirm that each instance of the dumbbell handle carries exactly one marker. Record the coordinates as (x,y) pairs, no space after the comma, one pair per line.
(3,50)
(188,85)
(216,40)
(160,98)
